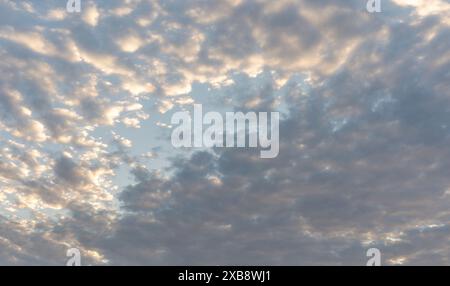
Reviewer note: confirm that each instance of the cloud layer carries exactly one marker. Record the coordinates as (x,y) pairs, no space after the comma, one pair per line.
(86,161)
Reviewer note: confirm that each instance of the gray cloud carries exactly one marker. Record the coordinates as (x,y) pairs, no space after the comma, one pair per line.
(364,133)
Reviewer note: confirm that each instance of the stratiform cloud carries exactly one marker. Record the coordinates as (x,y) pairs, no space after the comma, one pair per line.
(86,160)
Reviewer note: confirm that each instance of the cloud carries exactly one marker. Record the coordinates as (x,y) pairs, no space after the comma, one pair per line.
(91,15)
(363,154)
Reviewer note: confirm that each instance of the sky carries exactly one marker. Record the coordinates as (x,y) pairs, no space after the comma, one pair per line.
(86,159)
